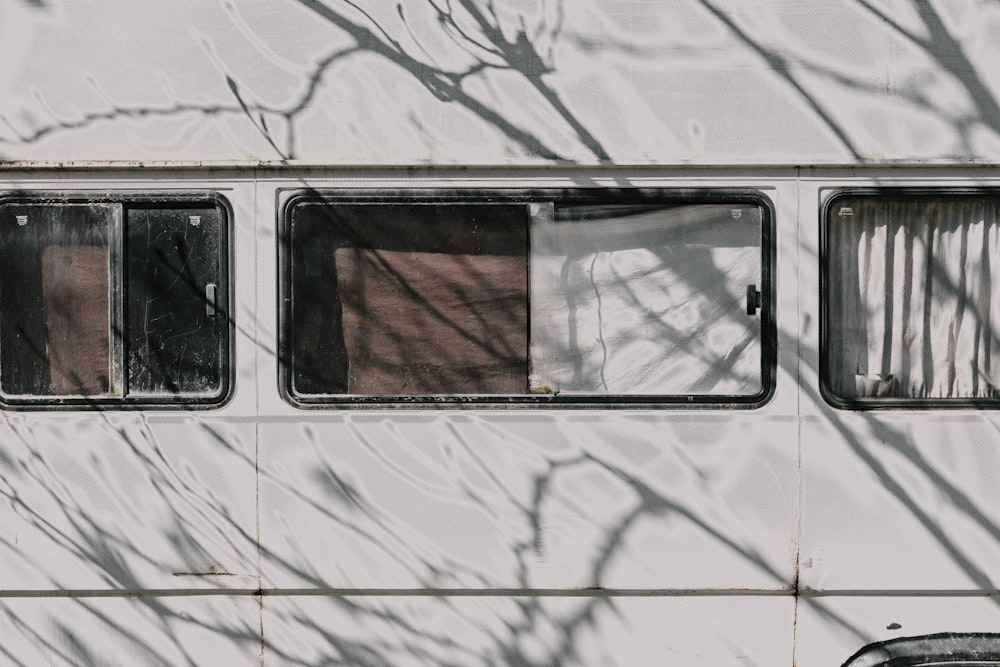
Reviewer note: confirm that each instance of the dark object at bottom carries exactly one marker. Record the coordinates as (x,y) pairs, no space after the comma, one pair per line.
(946,649)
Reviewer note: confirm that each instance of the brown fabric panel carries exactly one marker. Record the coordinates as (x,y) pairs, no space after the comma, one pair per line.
(434,323)
(76,292)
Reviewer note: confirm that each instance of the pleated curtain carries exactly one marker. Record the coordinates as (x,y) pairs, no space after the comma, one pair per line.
(911,287)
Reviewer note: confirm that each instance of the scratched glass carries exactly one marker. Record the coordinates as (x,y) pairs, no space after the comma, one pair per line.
(110,301)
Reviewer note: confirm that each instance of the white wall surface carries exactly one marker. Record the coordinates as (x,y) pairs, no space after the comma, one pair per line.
(606,631)
(533,81)
(332,514)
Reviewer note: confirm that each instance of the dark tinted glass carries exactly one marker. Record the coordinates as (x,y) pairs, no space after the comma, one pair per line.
(176,317)
(112,301)
(55,316)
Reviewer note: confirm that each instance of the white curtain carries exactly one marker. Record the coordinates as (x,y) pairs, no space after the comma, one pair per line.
(911,288)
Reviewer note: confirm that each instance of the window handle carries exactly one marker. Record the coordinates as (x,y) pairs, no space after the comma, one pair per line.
(210,290)
(753,299)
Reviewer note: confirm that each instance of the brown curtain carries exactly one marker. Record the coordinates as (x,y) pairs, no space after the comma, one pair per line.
(75,291)
(433,323)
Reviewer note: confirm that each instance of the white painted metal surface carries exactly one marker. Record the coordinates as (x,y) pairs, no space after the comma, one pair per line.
(260,533)
(598,81)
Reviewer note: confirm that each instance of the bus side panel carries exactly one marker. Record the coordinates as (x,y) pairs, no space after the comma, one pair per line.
(126,499)
(901,502)
(591,630)
(218,630)
(642,83)
(829,630)
(899,507)
(611,500)
(123,501)
(893,499)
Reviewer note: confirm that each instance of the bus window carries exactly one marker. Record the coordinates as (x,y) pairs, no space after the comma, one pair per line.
(526,300)
(105,302)
(647,299)
(908,299)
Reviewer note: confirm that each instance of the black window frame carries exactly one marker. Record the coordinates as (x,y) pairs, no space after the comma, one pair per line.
(862,403)
(767,297)
(177,201)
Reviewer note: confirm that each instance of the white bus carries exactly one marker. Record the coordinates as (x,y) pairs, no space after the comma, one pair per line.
(499,333)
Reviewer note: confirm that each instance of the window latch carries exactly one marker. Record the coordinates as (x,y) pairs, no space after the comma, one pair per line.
(210,290)
(753,299)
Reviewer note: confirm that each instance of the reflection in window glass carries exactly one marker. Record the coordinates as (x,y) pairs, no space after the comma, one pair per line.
(909,297)
(546,301)
(646,300)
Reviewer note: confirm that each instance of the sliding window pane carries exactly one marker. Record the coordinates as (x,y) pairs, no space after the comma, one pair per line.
(175,301)
(56,322)
(646,299)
